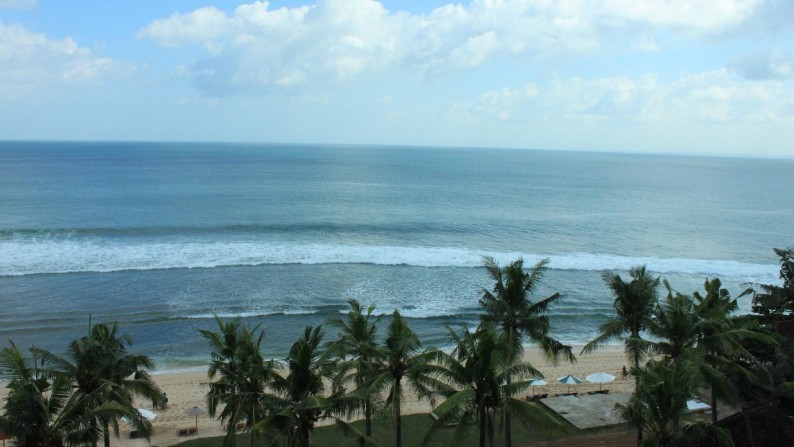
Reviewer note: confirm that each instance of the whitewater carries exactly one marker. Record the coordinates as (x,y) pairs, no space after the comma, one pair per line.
(162,237)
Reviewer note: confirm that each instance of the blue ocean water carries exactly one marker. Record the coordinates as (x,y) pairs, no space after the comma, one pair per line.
(162,236)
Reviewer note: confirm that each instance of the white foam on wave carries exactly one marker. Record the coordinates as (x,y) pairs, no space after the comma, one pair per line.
(26,257)
(247,314)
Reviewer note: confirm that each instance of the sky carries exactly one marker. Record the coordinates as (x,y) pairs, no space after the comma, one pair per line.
(711,77)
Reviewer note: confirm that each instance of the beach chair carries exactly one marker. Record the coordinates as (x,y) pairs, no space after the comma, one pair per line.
(192,430)
(240,426)
(182,431)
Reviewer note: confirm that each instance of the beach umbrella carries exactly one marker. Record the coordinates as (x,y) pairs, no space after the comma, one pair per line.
(569,380)
(195,411)
(148,414)
(536,382)
(599,378)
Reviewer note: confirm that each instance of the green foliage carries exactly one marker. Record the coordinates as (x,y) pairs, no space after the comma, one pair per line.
(299,403)
(508,304)
(479,371)
(776,302)
(661,399)
(356,355)
(240,377)
(401,364)
(57,401)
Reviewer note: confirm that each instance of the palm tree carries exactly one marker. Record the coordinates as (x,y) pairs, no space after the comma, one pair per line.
(634,303)
(401,359)
(300,402)
(478,370)
(509,306)
(100,358)
(242,377)
(661,398)
(358,341)
(700,331)
(775,303)
(41,409)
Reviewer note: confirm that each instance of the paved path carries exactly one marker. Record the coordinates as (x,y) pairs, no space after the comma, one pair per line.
(588,411)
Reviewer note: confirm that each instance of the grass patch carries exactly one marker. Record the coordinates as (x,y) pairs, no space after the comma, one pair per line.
(415,428)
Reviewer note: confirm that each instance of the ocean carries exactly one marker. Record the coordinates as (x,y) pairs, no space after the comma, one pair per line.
(161,237)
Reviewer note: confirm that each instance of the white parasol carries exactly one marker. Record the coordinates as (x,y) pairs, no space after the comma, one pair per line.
(599,378)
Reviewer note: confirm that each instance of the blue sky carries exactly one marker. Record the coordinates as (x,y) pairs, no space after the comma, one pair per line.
(659,76)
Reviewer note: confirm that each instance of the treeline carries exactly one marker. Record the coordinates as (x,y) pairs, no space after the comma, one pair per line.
(678,343)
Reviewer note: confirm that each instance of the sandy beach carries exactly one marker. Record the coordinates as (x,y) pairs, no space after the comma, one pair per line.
(187,389)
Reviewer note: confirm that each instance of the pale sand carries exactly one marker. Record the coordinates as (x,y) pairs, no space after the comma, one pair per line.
(188,389)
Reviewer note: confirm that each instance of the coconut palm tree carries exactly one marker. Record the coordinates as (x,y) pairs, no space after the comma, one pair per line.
(661,398)
(776,302)
(402,363)
(478,369)
(102,357)
(634,302)
(356,351)
(41,409)
(699,329)
(508,304)
(240,377)
(299,402)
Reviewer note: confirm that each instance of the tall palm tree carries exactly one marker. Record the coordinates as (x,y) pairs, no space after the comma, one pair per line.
(357,352)
(634,302)
(300,403)
(401,359)
(240,377)
(508,304)
(478,369)
(102,357)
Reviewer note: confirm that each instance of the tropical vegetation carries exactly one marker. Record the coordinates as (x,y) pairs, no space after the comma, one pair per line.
(678,345)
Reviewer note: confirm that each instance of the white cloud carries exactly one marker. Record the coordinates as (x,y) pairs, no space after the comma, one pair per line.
(18,4)
(31,60)
(339,40)
(772,64)
(717,96)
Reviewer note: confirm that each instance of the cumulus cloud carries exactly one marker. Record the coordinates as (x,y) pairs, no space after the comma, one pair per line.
(32,60)
(261,47)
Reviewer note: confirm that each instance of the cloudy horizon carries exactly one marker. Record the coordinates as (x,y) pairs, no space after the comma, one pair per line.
(714,77)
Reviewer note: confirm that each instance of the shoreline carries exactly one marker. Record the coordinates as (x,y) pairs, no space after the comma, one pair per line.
(186,389)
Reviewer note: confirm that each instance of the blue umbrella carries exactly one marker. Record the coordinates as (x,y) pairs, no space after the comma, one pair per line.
(569,380)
